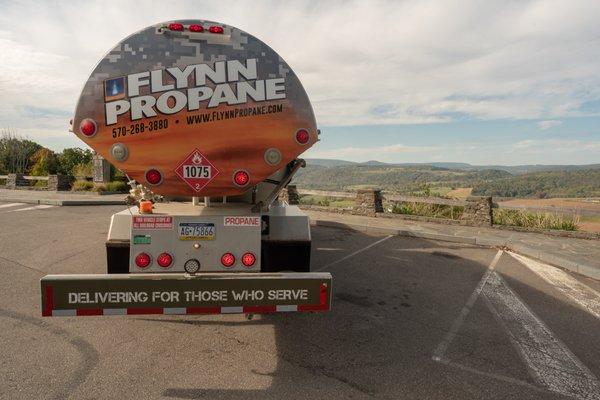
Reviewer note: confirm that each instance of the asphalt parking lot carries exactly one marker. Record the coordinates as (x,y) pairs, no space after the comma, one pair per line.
(411,318)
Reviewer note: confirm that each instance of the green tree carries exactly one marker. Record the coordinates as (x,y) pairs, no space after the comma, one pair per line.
(69,158)
(15,152)
(44,162)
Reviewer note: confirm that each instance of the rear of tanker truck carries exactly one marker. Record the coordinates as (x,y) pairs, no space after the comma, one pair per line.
(207,122)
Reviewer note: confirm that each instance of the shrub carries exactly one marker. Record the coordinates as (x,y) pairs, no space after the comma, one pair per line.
(83,185)
(84,170)
(116,186)
(428,210)
(527,219)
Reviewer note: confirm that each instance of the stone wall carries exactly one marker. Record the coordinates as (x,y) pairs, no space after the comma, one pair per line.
(59,182)
(290,195)
(15,180)
(478,211)
(368,202)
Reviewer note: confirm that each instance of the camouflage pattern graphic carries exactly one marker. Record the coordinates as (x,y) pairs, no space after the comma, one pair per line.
(160,94)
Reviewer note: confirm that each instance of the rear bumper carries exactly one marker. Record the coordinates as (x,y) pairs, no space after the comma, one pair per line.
(205,293)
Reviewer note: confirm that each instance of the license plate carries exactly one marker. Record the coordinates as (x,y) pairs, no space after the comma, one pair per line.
(196,231)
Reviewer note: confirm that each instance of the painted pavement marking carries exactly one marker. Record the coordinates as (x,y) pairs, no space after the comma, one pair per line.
(353,254)
(38,207)
(11,205)
(440,351)
(551,363)
(577,291)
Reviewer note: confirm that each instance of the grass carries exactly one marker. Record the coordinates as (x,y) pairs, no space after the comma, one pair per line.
(81,185)
(427,210)
(324,201)
(116,186)
(536,220)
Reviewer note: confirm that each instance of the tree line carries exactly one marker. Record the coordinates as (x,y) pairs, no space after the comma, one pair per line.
(23,156)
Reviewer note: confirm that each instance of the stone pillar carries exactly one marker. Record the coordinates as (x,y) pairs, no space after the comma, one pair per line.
(290,195)
(15,180)
(59,182)
(368,202)
(478,211)
(101,169)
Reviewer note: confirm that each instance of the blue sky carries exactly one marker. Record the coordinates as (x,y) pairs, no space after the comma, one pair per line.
(483,82)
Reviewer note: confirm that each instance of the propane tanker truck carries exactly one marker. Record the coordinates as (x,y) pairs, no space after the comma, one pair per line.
(207,122)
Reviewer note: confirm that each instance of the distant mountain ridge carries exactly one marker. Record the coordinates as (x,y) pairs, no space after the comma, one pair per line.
(513,169)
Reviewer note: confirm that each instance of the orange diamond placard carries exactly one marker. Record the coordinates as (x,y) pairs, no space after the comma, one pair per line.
(196,170)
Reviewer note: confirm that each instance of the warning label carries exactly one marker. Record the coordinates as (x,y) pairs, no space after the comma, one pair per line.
(196,170)
(152,222)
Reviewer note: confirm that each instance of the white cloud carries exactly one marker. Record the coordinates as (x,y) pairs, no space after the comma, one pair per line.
(382,62)
(530,151)
(547,124)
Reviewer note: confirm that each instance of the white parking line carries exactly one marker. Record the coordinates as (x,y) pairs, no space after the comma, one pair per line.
(38,207)
(582,294)
(11,205)
(552,364)
(439,352)
(353,254)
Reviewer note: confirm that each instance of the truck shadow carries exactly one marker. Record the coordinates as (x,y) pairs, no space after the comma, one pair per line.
(389,314)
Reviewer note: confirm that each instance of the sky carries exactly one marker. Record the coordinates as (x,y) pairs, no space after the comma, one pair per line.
(482,82)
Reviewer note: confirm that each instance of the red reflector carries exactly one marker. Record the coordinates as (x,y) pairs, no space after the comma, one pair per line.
(164,260)
(153,176)
(227,260)
(143,260)
(196,28)
(87,127)
(241,178)
(215,29)
(175,27)
(302,136)
(248,259)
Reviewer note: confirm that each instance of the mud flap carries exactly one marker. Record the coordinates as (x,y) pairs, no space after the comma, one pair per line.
(207,293)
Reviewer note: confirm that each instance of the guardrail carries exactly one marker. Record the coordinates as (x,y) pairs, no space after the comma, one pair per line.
(386,196)
(474,210)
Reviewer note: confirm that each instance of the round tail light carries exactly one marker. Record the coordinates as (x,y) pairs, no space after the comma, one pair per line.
(164,260)
(241,178)
(215,29)
(88,127)
(248,259)
(153,176)
(196,28)
(227,260)
(143,260)
(302,136)
(176,27)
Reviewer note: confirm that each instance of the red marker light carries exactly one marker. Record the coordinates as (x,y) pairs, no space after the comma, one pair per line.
(241,178)
(227,260)
(143,260)
(153,177)
(176,27)
(196,28)
(164,260)
(88,127)
(248,259)
(302,136)
(215,29)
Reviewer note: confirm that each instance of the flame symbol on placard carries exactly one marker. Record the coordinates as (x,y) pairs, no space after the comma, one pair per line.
(196,159)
